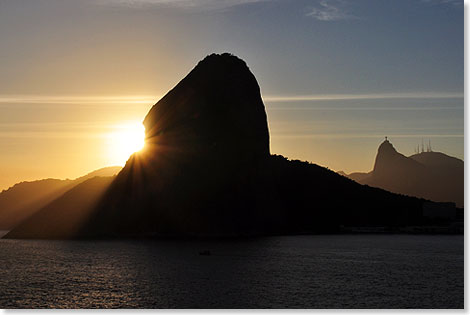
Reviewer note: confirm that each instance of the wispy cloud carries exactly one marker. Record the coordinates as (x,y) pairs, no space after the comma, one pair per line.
(331,10)
(362,135)
(180,4)
(73,99)
(333,97)
(149,99)
(369,108)
(60,130)
(455,3)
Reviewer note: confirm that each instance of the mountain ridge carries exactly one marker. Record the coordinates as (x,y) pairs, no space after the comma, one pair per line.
(24,198)
(431,175)
(206,170)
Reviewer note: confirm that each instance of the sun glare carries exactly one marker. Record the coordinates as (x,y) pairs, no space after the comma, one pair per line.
(125,139)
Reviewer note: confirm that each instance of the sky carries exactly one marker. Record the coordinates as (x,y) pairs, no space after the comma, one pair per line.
(336,76)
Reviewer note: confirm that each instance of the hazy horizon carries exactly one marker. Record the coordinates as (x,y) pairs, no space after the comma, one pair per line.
(336,76)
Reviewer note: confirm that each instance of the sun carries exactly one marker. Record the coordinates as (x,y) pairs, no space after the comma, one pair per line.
(125,139)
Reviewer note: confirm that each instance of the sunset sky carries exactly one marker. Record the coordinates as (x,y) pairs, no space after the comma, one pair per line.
(78,77)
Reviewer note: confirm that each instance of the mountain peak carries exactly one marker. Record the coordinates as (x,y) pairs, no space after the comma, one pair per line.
(224,59)
(216,111)
(388,159)
(386,147)
(431,175)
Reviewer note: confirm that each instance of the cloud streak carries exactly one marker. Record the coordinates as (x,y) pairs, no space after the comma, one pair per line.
(346,108)
(455,3)
(330,10)
(361,135)
(180,4)
(149,99)
(334,97)
(83,100)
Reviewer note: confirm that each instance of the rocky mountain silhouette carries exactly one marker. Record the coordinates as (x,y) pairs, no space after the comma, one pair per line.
(430,175)
(206,170)
(215,112)
(23,199)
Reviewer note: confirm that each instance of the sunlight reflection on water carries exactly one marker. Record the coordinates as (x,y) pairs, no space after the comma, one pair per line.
(342,271)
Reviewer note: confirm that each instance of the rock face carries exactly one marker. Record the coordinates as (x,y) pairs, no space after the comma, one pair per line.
(215,112)
(206,142)
(390,163)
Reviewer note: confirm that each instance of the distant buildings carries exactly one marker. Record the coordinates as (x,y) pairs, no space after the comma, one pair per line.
(439,210)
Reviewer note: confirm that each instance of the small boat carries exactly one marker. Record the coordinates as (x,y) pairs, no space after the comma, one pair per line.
(205,253)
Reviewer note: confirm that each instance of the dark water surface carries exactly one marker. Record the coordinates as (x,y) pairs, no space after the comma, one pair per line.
(340,271)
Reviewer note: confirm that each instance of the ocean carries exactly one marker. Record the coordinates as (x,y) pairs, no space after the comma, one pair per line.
(318,271)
